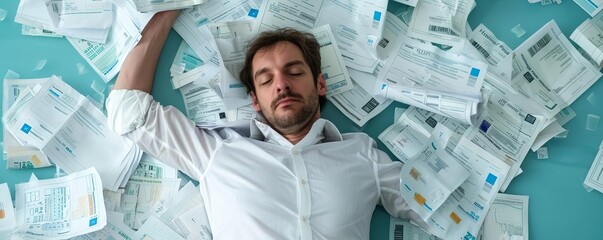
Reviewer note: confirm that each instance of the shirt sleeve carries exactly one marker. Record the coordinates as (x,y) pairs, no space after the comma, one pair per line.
(387,173)
(161,131)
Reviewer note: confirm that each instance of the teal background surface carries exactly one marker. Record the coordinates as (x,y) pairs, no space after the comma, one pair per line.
(559,207)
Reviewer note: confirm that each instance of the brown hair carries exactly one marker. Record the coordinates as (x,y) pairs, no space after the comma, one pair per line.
(305,41)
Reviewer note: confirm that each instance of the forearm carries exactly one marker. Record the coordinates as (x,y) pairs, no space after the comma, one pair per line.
(138,70)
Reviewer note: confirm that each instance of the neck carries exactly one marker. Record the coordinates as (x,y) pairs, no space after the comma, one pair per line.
(296,134)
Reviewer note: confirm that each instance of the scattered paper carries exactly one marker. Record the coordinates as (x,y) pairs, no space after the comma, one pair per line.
(592,122)
(542,153)
(518,31)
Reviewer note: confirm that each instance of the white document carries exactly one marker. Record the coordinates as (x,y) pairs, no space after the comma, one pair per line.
(19,156)
(163,5)
(221,11)
(114,230)
(443,103)
(90,14)
(98,34)
(565,115)
(232,39)
(402,229)
(507,127)
(203,105)
(594,178)
(107,59)
(507,218)
(8,222)
(332,66)
(62,207)
(408,134)
(592,7)
(188,67)
(495,52)
(38,32)
(590,38)
(551,130)
(441,21)
(198,37)
(139,19)
(420,65)
(142,194)
(550,71)
(464,211)
(72,133)
(357,25)
(411,3)
(428,179)
(153,228)
(358,104)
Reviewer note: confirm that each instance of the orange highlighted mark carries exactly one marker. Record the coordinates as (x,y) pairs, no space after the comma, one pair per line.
(420,199)
(455,217)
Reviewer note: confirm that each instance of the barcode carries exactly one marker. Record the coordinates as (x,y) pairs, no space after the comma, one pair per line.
(370,105)
(398,232)
(539,45)
(480,48)
(383,43)
(440,29)
(432,122)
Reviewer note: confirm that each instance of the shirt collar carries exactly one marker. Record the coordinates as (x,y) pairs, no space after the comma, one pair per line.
(322,131)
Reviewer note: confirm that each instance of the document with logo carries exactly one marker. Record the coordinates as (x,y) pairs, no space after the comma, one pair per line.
(550,71)
(72,132)
(463,213)
(19,156)
(589,36)
(429,178)
(493,51)
(62,207)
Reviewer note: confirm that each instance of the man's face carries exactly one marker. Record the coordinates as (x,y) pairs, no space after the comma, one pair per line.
(285,91)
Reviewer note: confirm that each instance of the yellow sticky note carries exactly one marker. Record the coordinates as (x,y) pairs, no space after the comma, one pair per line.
(420,199)
(455,217)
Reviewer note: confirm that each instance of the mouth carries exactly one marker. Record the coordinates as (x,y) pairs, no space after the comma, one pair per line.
(285,102)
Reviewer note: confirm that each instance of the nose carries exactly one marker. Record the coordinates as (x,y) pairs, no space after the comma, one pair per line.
(282,83)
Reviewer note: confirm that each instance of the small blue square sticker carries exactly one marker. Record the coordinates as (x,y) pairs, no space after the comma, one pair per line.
(26,128)
(474,72)
(253,13)
(92,222)
(491,179)
(377,16)
(484,126)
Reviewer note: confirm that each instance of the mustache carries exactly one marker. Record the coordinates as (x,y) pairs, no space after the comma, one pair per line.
(285,95)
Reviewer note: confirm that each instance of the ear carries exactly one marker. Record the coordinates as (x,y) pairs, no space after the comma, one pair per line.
(321,85)
(254,101)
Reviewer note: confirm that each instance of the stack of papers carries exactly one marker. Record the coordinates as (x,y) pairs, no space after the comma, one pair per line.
(72,132)
(60,208)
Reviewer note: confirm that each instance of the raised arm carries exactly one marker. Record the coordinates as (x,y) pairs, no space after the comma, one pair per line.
(138,69)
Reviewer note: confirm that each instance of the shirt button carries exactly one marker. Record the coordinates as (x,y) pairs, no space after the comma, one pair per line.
(304,219)
(295,151)
(303,181)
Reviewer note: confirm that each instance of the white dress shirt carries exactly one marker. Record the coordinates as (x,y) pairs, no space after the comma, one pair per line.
(261,186)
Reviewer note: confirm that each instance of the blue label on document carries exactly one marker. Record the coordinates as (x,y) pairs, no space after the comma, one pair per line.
(377,16)
(474,72)
(253,13)
(26,128)
(484,126)
(53,93)
(491,179)
(92,222)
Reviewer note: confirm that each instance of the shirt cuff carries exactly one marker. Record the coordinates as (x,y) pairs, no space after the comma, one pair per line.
(127,109)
